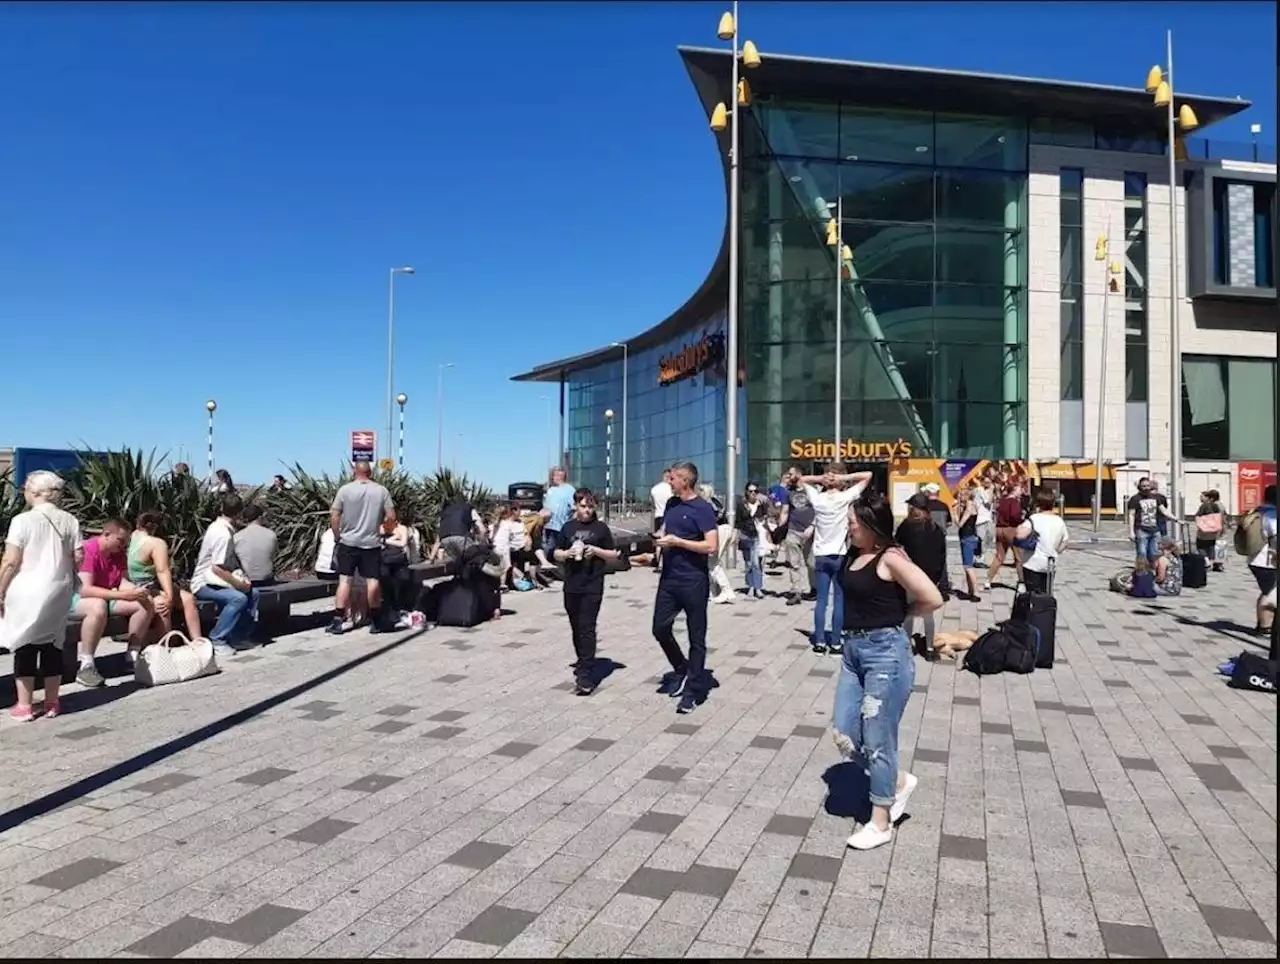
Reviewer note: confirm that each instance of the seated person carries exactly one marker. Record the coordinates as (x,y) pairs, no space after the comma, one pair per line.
(460,527)
(104,592)
(1138,581)
(256,547)
(219,579)
(149,569)
(1168,569)
(399,552)
(510,541)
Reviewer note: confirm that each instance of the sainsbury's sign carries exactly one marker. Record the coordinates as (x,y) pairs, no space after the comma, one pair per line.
(691,359)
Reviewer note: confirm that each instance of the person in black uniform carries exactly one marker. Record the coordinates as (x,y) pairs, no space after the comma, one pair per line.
(877,670)
(585,549)
(925,543)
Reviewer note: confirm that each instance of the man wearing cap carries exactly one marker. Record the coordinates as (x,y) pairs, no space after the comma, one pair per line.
(940,513)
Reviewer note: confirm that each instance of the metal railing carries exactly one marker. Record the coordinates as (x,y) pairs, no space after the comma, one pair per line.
(1212,149)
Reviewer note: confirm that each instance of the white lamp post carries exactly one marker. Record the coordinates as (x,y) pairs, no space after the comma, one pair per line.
(401,399)
(212,407)
(608,458)
(391,343)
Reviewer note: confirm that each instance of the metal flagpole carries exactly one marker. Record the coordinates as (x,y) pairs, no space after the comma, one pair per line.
(1102,386)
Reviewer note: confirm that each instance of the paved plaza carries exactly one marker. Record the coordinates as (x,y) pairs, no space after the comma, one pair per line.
(444,793)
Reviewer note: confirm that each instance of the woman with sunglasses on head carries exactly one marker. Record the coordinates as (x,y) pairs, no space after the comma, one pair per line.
(585,549)
(747,518)
(882,590)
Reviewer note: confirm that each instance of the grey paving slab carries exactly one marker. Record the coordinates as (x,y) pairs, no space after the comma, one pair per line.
(1056,815)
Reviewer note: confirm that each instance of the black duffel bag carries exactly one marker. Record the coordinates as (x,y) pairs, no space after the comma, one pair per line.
(1253,672)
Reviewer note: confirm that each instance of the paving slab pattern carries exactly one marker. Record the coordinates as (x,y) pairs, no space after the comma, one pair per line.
(413,796)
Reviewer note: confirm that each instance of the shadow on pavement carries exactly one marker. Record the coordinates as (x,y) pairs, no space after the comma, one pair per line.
(604,668)
(848,791)
(135,764)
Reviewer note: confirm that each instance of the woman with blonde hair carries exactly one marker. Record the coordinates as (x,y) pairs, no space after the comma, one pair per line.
(42,552)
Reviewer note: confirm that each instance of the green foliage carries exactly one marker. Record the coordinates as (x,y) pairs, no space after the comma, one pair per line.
(125,484)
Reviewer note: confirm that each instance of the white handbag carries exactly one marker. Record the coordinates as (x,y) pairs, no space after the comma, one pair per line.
(175,659)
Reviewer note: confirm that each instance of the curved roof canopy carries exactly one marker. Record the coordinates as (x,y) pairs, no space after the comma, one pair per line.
(1120,110)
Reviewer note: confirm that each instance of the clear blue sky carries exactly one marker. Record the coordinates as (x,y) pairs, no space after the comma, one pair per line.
(203,200)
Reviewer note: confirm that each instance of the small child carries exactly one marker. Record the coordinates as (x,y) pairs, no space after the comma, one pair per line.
(1144,580)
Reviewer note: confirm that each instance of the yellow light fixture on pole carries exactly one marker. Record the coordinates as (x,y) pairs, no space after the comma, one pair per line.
(1100,249)
(719,117)
(750,56)
(846,253)
(1155,76)
(1187,118)
(744,93)
(727,29)
(1162,94)
(833,233)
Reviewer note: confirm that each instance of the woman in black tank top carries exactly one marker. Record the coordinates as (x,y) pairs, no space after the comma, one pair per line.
(882,588)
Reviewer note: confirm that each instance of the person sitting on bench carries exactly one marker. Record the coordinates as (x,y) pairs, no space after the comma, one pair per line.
(104,592)
(219,579)
(256,547)
(148,557)
(460,528)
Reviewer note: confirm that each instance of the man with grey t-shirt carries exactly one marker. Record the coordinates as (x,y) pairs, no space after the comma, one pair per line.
(358,511)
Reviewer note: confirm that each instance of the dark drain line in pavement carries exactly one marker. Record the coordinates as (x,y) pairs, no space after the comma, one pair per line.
(96,781)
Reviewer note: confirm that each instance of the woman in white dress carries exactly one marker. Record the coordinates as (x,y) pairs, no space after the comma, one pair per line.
(37,579)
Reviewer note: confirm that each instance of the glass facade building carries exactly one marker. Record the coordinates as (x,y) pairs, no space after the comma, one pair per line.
(914,325)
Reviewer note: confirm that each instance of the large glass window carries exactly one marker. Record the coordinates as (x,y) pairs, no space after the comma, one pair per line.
(932,304)
(1264,201)
(1071,271)
(1137,351)
(1228,408)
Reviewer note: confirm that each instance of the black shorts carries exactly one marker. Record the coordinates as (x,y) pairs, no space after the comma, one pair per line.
(351,561)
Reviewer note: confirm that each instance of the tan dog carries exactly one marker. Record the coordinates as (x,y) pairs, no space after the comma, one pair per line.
(948,644)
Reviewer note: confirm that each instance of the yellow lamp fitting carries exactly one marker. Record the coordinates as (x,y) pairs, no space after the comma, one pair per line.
(1114,267)
(719,118)
(1187,118)
(1163,95)
(750,56)
(744,93)
(833,235)
(846,253)
(726,29)
(1154,76)
(1100,250)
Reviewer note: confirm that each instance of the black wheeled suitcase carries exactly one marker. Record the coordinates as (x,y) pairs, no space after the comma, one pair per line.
(1040,610)
(463,603)
(1195,567)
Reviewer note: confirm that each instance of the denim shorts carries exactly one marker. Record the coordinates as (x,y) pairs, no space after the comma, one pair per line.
(969,550)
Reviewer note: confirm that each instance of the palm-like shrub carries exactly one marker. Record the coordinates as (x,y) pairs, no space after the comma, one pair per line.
(11,501)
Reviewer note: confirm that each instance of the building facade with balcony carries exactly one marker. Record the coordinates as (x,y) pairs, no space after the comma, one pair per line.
(972,311)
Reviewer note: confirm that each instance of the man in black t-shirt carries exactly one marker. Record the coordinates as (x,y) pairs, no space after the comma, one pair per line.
(1146,509)
(584,549)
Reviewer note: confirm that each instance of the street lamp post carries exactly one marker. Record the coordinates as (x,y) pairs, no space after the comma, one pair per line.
(1110,270)
(835,238)
(212,407)
(401,399)
(625,359)
(391,343)
(721,117)
(440,414)
(1160,84)
(608,459)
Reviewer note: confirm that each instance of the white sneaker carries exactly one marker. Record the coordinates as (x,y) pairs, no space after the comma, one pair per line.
(725,598)
(869,837)
(900,799)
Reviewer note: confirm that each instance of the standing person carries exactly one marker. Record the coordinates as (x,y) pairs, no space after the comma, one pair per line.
(1211,519)
(877,670)
(661,494)
(830,545)
(940,512)
(719,577)
(1009,515)
(1263,563)
(797,545)
(1146,509)
(925,544)
(779,494)
(105,592)
(37,581)
(356,517)
(747,514)
(984,519)
(585,550)
(1051,539)
(966,513)
(689,539)
(218,578)
(557,507)
(222,483)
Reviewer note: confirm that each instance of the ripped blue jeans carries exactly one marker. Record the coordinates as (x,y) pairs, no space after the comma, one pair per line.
(876,677)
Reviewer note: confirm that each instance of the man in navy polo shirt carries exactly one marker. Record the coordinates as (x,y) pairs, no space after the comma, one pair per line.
(689,540)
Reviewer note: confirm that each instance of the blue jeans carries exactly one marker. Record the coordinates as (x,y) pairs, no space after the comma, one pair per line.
(236,615)
(750,549)
(827,571)
(1146,544)
(549,539)
(876,676)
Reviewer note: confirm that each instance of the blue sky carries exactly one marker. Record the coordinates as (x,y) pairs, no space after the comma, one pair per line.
(203,200)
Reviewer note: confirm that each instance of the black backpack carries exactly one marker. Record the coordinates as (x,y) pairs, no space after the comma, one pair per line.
(1006,647)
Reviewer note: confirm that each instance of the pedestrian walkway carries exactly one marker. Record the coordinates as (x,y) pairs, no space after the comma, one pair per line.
(444,793)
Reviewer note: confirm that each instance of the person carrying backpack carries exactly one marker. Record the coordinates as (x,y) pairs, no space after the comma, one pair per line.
(1255,539)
